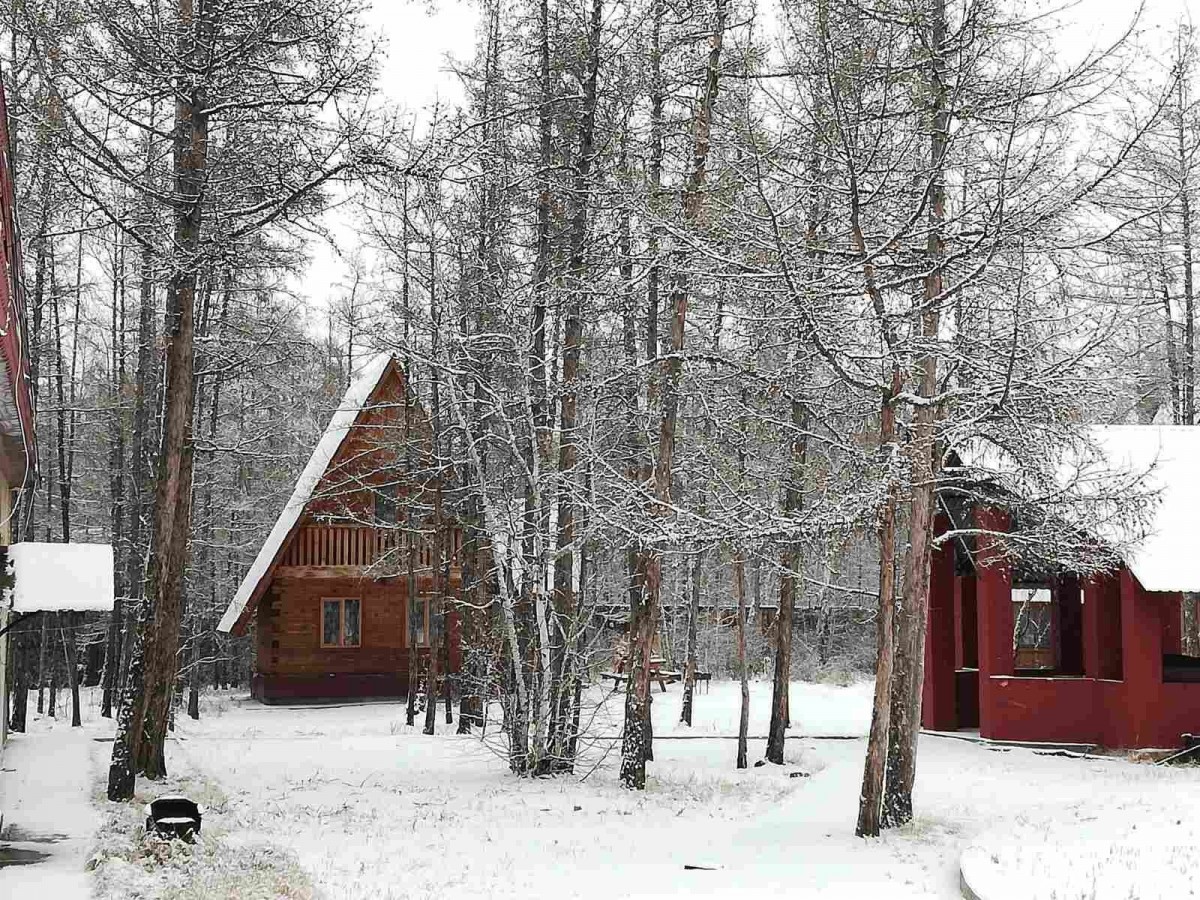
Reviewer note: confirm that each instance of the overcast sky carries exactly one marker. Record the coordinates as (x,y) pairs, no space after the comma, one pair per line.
(420,36)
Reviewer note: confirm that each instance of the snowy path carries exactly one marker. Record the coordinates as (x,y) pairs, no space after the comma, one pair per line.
(46,790)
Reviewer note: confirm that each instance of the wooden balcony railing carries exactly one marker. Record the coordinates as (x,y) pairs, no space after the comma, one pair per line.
(360,546)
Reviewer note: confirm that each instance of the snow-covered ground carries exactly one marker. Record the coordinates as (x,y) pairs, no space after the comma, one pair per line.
(371,809)
(347,802)
(45,803)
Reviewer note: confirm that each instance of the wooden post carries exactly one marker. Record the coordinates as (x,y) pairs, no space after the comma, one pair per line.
(938,710)
(993,592)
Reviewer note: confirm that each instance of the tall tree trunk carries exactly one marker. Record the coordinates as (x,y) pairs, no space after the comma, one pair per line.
(695,583)
(141,444)
(644,618)
(116,462)
(564,668)
(143,721)
(41,665)
(416,610)
(70,623)
(436,634)
(437,606)
(789,579)
(64,481)
(193,705)
(739,587)
(1185,223)
(911,626)
(17,719)
(874,775)
(697,571)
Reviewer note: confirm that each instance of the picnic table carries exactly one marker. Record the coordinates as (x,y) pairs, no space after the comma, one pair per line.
(657,673)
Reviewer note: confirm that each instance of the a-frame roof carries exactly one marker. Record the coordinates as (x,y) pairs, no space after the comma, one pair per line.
(355,401)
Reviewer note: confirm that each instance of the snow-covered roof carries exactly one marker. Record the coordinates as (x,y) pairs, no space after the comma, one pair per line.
(356,397)
(62,577)
(1165,459)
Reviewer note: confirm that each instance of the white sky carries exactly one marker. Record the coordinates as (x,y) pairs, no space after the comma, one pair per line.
(421,36)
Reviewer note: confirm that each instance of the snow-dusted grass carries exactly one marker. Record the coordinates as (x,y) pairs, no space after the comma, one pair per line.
(348,802)
(226,860)
(373,809)
(1149,852)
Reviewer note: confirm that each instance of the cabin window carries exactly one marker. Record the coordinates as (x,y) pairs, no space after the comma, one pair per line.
(386,504)
(418,622)
(341,622)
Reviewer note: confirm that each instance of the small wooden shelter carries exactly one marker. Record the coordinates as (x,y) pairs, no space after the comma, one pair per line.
(328,595)
(1103,663)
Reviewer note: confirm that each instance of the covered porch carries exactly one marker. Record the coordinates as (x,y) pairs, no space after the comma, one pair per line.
(1061,659)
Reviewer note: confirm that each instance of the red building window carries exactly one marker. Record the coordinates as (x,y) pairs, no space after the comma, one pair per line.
(341,622)
(1033,617)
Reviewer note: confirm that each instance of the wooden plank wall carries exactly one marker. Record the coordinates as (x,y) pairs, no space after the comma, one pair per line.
(359,545)
(289,626)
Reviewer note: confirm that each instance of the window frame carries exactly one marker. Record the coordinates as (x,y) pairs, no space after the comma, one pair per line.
(341,644)
(386,495)
(1044,631)
(423,637)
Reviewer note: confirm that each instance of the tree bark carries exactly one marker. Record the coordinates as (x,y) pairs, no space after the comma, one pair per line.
(1185,217)
(43,643)
(739,587)
(911,626)
(693,639)
(141,451)
(112,646)
(564,665)
(70,655)
(790,561)
(193,704)
(142,726)
(644,619)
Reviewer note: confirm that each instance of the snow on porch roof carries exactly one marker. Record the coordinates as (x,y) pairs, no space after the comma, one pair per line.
(1167,557)
(62,577)
(356,397)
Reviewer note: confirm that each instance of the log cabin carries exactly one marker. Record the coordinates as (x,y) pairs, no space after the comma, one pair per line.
(348,577)
(1066,659)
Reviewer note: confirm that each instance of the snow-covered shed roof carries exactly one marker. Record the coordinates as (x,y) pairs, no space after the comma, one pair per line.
(61,577)
(1166,461)
(357,395)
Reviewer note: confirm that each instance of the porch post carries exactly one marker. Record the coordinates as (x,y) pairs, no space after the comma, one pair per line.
(1070,626)
(1093,601)
(937,702)
(1141,636)
(993,595)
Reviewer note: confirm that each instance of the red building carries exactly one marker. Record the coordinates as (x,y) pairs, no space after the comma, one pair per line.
(335,590)
(1099,660)
(18,442)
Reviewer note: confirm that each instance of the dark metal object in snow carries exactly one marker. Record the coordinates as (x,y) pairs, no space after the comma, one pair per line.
(1190,752)
(174,816)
